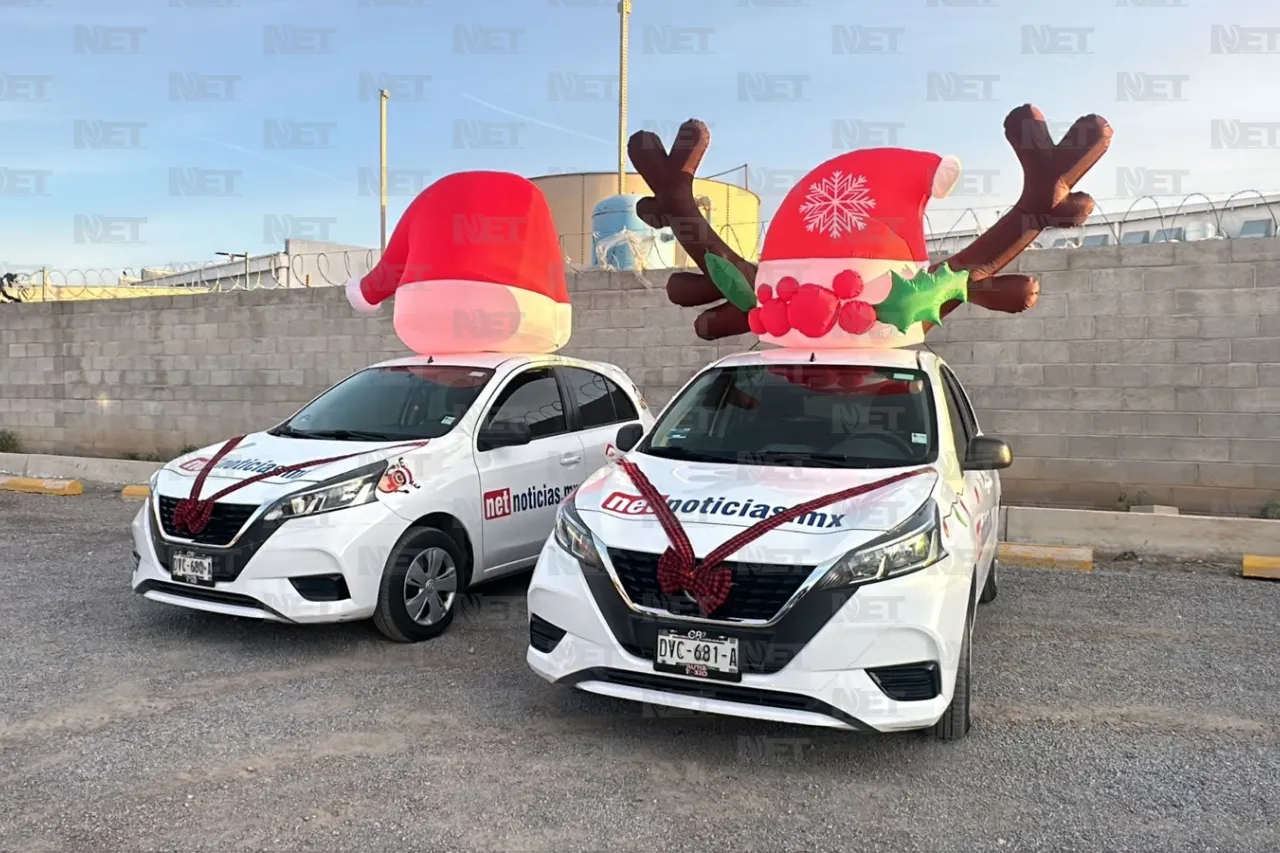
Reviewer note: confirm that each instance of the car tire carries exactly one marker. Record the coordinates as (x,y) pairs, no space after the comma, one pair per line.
(992,587)
(955,722)
(422,584)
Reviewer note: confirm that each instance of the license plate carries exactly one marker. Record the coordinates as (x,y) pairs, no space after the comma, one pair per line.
(193,568)
(698,654)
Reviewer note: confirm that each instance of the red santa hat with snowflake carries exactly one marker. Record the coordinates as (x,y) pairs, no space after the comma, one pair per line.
(842,259)
(475,265)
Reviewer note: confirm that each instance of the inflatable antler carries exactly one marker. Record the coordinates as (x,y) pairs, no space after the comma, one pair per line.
(672,205)
(1049,174)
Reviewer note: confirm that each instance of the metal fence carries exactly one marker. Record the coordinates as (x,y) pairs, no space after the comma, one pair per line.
(1247,214)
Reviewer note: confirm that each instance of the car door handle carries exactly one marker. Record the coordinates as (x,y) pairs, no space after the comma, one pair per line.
(571,459)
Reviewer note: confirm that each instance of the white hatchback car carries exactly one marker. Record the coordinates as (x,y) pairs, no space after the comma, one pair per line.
(851,612)
(387,496)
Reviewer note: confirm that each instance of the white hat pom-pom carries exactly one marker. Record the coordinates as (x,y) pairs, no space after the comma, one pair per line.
(946,177)
(356,297)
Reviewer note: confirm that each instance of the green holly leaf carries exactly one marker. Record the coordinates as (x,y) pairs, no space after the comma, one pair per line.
(920,299)
(730,281)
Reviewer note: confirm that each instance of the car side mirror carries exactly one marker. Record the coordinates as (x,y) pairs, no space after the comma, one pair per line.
(504,434)
(628,437)
(986,453)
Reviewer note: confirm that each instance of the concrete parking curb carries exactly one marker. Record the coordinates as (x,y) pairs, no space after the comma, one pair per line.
(135,493)
(1046,556)
(33,486)
(1261,568)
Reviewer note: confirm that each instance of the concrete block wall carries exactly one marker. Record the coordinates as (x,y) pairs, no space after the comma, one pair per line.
(1146,373)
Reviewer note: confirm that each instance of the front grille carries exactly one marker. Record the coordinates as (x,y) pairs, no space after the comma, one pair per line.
(224,524)
(759,590)
(544,636)
(915,682)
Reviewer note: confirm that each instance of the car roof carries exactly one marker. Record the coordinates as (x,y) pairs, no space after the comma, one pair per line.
(493,360)
(863,357)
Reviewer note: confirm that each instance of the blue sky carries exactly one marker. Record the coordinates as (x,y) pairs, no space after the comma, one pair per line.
(106,67)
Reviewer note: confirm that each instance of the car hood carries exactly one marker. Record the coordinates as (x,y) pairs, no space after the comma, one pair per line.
(260,452)
(714,501)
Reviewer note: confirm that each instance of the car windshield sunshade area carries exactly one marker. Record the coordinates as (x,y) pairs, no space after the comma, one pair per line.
(391,404)
(807,415)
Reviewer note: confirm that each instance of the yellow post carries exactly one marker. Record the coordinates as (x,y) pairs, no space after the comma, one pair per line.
(44,284)
(624,14)
(246,269)
(383,97)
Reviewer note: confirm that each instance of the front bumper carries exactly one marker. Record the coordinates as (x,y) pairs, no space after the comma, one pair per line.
(818,666)
(329,555)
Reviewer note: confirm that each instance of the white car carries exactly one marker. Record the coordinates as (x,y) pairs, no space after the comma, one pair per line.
(387,496)
(856,615)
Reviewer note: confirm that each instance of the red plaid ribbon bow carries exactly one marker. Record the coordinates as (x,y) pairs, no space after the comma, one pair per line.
(710,583)
(192,514)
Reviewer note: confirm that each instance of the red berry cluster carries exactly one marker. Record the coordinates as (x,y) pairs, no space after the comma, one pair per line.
(811,309)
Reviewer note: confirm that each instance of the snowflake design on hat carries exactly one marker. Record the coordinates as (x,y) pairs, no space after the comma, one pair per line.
(838,205)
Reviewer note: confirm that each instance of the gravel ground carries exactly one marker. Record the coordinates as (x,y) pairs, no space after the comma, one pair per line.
(1131,709)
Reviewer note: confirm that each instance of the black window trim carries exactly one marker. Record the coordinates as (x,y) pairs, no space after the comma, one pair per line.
(567,388)
(967,410)
(491,409)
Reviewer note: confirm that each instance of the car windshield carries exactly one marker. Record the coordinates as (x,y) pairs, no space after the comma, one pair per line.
(390,404)
(807,415)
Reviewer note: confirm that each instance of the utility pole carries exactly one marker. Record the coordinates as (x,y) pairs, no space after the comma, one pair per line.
(383,97)
(624,15)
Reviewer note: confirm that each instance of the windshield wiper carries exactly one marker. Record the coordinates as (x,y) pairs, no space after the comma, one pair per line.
(286,431)
(683,455)
(343,435)
(812,460)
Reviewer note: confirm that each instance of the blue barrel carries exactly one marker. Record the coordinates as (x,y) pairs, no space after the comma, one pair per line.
(617,214)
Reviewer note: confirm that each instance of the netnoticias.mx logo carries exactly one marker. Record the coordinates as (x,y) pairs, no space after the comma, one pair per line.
(1232,38)
(500,503)
(863,40)
(1234,133)
(1141,86)
(96,228)
(621,503)
(23,182)
(93,134)
(1056,40)
(486,135)
(193,182)
(400,182)
(108,40)
(950,86)
(847,135)
(1141,181)
(195,87)
(277,229)
(764,87)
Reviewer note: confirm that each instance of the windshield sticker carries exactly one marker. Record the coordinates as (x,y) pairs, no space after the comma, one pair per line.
(679,434)
(398,480)
(919,438)
(500,503)
(904,377)
(476,373)
(621,503)
(448,420)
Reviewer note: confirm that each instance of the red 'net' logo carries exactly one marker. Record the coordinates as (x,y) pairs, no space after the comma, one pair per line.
(625,504)
(194,464)
(497,504)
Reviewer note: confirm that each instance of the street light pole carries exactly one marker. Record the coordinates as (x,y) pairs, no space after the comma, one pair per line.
(383,97)
(624,15)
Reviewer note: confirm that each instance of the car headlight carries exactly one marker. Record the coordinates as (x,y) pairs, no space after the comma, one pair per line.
(915,544)
(355,489)
(573,536)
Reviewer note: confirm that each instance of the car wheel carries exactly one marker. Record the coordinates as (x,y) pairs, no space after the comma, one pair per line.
(955,721)
(992,586)
(421,584)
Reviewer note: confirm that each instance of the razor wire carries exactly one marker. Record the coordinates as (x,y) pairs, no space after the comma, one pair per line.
(587,251)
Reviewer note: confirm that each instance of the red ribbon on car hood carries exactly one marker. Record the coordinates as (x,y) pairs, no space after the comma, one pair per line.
(709,583)
(193,514)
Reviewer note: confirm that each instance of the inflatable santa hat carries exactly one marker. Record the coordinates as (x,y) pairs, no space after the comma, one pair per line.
(475,266)
(844,262)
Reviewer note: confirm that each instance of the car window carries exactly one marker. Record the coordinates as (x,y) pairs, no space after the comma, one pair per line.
(971,427)
(841,416)
(959,430)
(398,402)
(624,409)
(591,391)
(533,397)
